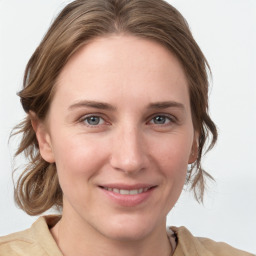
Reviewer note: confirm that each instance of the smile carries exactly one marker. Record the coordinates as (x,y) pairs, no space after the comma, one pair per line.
(126,191)
(128,195)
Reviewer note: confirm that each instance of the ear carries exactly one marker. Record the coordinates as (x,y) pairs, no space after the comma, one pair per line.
(43,138)
(194,150)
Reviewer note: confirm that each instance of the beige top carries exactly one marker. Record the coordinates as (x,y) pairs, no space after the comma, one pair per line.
(38,241)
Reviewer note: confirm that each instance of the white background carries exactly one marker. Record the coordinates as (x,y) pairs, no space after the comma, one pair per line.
(226,32)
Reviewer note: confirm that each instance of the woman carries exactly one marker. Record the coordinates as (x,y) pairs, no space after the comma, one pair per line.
(116,102)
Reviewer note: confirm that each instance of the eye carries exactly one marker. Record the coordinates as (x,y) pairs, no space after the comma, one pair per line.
(93,120)
(161,120)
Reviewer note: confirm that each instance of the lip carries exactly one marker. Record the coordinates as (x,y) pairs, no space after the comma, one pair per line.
(128,200)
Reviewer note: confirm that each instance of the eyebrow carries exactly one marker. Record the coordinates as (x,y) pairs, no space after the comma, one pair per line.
(166,104)
(92,104)
(107,106)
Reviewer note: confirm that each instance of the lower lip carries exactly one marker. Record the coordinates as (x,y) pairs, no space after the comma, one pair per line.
(128,200)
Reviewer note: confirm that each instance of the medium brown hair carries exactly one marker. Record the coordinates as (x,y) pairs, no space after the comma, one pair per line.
(37,188)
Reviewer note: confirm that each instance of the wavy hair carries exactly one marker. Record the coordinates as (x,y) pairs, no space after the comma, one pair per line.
(37,188)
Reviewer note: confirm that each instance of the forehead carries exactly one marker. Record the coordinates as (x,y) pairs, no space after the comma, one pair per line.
(124,51)
(123,65)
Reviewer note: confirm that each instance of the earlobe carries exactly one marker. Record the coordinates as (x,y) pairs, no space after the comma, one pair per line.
(43,138)
(194,150)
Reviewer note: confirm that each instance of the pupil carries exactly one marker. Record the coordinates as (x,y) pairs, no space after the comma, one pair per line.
(93,120)
(160,119)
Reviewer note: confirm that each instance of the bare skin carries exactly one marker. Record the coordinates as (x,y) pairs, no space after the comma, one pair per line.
(120,132)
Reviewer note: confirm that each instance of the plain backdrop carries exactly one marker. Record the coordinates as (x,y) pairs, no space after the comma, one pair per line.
(226,32)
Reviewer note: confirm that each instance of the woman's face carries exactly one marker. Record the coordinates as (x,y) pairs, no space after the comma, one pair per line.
(120,132)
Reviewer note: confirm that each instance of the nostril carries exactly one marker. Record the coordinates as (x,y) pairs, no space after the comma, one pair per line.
(128,165)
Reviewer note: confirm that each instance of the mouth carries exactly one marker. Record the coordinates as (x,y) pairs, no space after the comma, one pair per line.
(128,195)
(127,191)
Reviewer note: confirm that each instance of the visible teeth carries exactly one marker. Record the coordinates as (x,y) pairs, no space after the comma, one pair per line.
(124,192)
(127,192)
(134,192)
(116,190)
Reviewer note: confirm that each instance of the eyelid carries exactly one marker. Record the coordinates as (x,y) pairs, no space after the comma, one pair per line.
(170,117)
(173,119)
(98,115)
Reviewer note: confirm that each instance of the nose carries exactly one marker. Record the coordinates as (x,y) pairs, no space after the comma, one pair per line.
(128,152)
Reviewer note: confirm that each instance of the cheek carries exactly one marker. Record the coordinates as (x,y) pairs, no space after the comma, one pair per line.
(172,160)
(173,153)
(77,164)
(76,160)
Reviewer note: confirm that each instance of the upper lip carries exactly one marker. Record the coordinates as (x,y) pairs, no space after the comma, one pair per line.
(127,186)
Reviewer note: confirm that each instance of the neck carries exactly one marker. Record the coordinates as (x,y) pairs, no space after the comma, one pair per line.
(79,238)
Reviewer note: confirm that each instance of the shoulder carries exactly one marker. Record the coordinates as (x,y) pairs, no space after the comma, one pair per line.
(36,240)
(187,244)
(17,243)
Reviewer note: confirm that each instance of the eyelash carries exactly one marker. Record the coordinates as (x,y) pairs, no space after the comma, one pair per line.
(84,120)
(171,119)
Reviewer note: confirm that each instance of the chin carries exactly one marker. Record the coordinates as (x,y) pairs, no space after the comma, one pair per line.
(127,234)
(128,229)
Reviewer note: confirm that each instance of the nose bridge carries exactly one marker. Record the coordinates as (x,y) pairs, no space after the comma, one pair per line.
(128,151)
